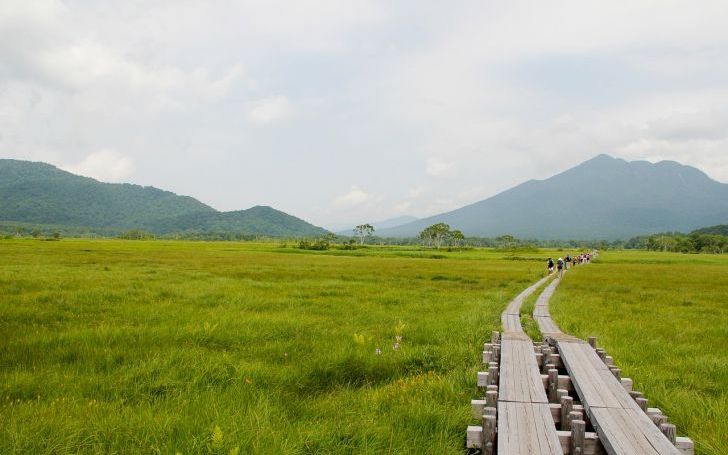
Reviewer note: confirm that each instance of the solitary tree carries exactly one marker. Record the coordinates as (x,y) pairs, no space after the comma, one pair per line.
(506,241)
(457,237)
(363,230)
(435,234)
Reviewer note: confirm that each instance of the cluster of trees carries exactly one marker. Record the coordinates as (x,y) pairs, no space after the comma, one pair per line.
(321,243)
(440,234)
(677,242)
(136,234)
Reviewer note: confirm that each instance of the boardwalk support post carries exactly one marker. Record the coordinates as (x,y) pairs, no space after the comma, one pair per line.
(593,342)
(553,384)
(617,372)
(567,405)
(491,399)
(489,426)
(627,384)
(642,403)
(668,430)
(658,419)
(578,431)
(487,357)
(492,375)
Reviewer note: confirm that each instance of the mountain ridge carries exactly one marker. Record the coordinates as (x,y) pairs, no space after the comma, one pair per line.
(37,192)
(601,198)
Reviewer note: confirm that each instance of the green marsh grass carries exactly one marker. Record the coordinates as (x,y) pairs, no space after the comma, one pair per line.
(527,322)
(193,347)
(664,319)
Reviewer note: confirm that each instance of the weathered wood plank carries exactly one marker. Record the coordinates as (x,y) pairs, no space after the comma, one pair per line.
(526,428)
(621,425)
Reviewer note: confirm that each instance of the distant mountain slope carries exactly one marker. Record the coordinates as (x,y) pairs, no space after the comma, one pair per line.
(603,198)
(385,224)
(721,229)
(33,192)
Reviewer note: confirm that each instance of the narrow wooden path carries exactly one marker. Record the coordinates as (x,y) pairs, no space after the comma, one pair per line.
(525,424)
(523,406)
(622,426)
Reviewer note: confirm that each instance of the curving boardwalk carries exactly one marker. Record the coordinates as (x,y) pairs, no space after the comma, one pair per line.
(523,406)
(621,425)
(525,425)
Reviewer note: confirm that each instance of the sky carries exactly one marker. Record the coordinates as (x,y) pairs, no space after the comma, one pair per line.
(351,111)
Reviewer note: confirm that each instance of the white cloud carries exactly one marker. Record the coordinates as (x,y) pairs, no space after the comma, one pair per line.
(269,110)
(402,207)
(394,98)
(437,167)
(105,165)
(355,197)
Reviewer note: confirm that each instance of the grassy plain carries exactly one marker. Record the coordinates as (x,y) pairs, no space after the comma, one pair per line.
(184,347)
(664,319)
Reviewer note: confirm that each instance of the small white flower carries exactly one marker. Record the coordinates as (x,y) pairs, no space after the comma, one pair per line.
(396,346)
(378,351)
(398,338)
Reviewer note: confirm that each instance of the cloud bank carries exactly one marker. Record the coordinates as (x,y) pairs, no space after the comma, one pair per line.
(425,106)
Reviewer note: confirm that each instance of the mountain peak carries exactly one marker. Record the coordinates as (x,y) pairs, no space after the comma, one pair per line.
(603,160)
(602,198)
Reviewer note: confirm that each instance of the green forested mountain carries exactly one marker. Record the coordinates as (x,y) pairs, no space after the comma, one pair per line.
(603,198)
(721,229)
(39,193)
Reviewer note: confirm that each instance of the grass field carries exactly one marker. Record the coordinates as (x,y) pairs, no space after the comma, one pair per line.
(184,347)
(664,319)
(167,347)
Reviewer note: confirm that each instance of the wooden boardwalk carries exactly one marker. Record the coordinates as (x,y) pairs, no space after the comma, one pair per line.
(524,406)
(622,426)
(524,423)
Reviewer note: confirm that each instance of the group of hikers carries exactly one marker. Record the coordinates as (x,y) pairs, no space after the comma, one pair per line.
(568,261)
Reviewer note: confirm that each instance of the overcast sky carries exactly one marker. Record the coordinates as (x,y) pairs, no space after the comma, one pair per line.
(352,111)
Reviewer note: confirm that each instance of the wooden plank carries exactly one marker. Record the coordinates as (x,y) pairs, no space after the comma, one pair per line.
(511,323)
(520,377)
(624,431)
(514,307)
(526,428)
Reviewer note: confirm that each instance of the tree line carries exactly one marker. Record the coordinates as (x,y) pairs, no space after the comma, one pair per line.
(712,240)
(677,242)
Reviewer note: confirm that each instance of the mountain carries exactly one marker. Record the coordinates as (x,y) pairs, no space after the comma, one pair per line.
(603,198)
(39,193)
(386,224)
(394,222)
(721,229)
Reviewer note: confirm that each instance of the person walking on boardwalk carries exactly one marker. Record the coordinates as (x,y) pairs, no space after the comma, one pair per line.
(560,266)
(550,265)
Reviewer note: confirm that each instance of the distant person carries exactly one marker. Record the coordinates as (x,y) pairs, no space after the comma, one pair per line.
(567,261)
(574,261)
(550,265)
(560,266)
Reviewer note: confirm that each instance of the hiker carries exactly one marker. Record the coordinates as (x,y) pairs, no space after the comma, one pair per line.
(550,265)
(567,261)
(560,266)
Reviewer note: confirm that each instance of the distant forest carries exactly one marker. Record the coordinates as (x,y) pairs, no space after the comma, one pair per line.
(712,240)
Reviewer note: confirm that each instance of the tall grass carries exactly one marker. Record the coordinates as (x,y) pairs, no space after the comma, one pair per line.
(664,319)
(167,347)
